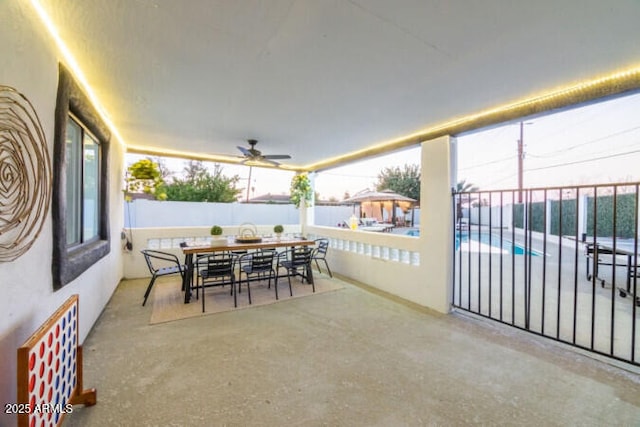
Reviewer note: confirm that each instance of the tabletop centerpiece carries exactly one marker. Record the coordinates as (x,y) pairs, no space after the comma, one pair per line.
(248,233)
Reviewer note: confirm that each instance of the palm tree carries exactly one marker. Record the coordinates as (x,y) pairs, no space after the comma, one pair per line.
(463,187)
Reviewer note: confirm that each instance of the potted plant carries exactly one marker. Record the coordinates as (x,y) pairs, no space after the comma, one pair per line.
(217,240)
(278,229)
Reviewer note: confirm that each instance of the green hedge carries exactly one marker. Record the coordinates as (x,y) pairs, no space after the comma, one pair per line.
(625,211)
(569,217)
(518,217)
(625,222)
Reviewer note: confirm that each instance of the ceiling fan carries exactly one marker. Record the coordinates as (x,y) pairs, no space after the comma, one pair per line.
(253,154)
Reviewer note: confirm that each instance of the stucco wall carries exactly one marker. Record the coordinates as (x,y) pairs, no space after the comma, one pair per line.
(29,63)
(428,283)
(152,213)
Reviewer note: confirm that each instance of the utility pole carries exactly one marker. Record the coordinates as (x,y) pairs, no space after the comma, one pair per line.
(249,182)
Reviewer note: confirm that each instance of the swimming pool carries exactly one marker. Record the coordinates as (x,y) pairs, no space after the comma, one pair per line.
(482,243)
(490,243)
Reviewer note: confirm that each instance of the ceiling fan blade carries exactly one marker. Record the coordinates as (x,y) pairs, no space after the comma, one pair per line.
(266,160)
(257,161)
(253,155)
(276,156)
(245,151)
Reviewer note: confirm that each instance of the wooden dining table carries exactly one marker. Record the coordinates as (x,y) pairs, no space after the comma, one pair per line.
(234,246)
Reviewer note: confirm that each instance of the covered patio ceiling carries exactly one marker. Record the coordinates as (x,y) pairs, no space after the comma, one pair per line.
(332,81)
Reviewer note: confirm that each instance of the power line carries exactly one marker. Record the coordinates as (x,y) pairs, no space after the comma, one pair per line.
(607,150)
(584,115)
(487,163)
(505,178)
(584,161)
(582,144)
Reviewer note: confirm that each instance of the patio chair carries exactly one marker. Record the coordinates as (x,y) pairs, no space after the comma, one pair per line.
(320,254)
(200,264)
(258,264)
(216,270)
(296,261)
(161,264)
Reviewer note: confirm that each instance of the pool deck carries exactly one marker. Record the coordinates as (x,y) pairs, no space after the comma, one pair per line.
(551,295)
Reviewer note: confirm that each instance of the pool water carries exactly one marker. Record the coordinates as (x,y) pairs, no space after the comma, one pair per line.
(482,243)
(487,242)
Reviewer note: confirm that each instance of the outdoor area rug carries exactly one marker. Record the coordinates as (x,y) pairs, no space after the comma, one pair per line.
(168,299)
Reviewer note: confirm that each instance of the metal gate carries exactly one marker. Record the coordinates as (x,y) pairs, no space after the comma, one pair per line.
(558,262)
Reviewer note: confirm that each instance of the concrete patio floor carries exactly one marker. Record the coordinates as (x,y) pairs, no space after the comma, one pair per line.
(351,357)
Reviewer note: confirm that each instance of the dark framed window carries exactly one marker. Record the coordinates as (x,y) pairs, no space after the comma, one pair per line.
(82,159)
(80,184)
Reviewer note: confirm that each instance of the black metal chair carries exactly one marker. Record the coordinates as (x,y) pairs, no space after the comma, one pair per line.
(257,264)
(296,261)
(216,270)
(320,254)
(161,264)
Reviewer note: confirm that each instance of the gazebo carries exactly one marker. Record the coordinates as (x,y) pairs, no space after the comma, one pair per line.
(375,204)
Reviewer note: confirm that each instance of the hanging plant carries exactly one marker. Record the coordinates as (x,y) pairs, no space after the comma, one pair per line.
(301,190)
(144,177)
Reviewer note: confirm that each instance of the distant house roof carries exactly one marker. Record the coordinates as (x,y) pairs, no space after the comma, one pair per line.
(272,198)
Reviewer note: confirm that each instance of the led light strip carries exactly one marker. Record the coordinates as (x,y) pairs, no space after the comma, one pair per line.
(72,64)
(591,90)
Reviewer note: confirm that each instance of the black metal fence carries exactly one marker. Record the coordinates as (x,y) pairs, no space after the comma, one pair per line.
(559,262)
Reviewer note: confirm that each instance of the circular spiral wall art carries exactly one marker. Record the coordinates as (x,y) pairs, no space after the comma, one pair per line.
(25,175)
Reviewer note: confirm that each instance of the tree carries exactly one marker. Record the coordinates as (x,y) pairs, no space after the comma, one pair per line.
(465,187)
(201,185)
(165,172)
(405,180)
(193,169)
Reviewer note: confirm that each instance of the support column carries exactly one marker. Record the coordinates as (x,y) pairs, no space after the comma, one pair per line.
(436,219)
(307,213)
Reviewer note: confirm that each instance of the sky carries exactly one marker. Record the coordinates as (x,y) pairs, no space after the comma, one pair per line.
(598,143)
